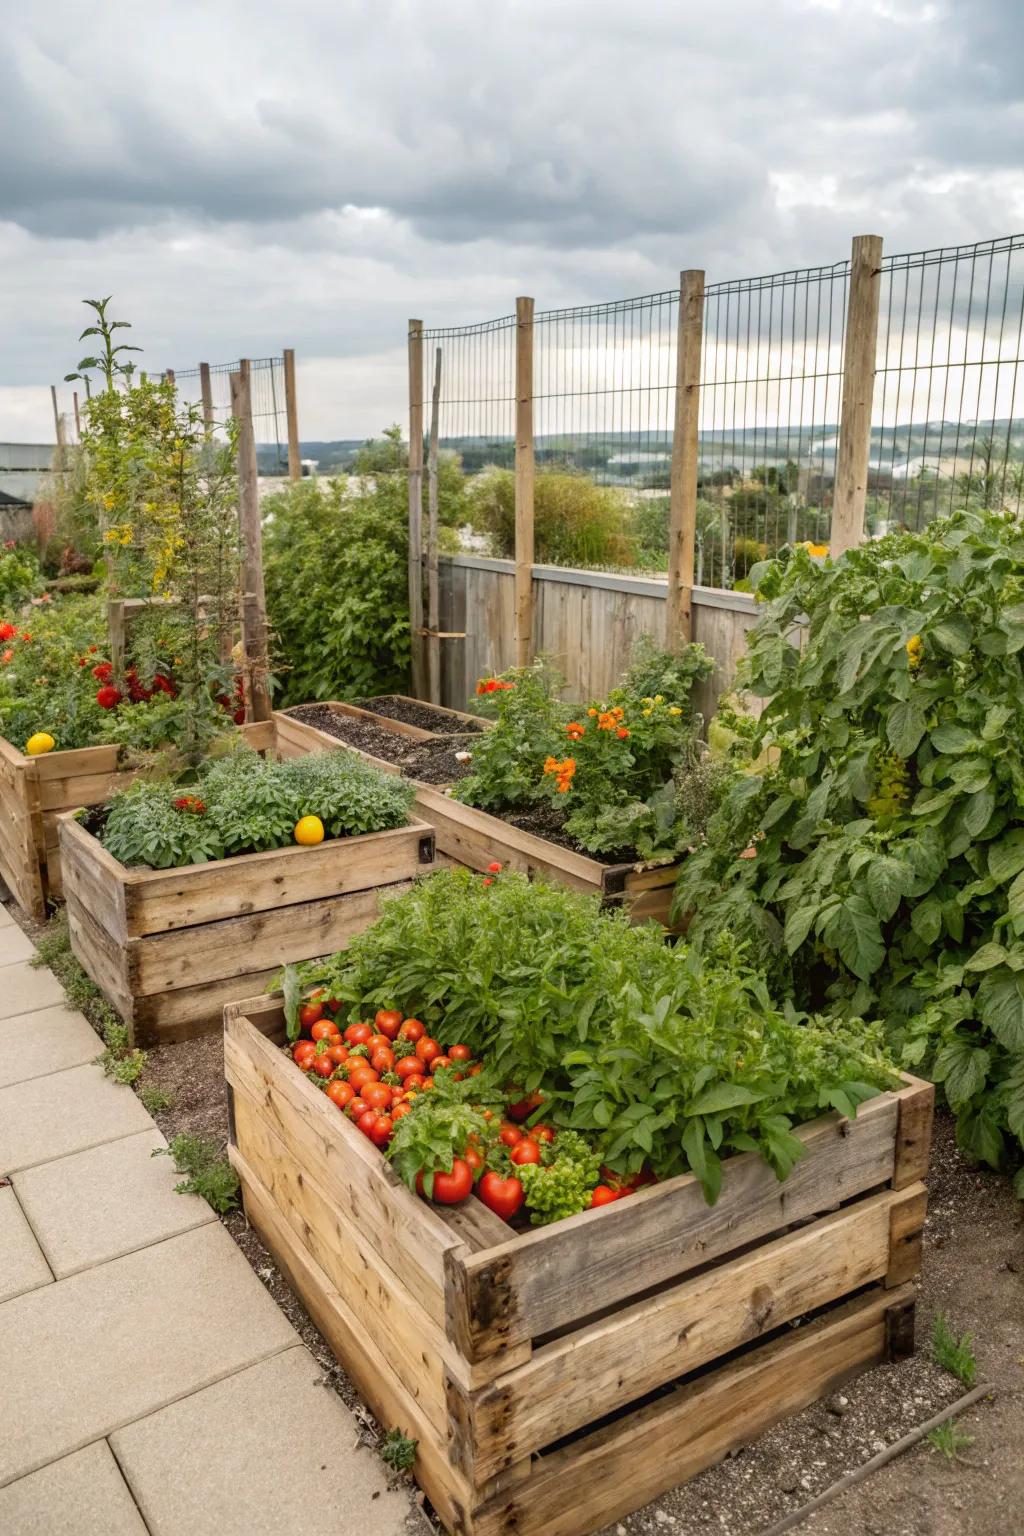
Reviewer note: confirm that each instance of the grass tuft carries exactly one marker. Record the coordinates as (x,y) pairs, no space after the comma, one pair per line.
(949,1439)
(953,1354)
(208,1172)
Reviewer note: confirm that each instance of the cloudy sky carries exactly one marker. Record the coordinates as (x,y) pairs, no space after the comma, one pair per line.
(244,177)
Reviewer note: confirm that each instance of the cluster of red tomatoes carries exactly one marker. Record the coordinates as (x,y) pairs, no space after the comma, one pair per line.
(375,1070)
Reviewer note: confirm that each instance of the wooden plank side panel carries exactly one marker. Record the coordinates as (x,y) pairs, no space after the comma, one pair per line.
(21,831)
(474,837)
(96,879)
(370,1370)
(158,900)
(595,1481)
(401,1228)
(531,1286)
(638,1348)
(914,1132)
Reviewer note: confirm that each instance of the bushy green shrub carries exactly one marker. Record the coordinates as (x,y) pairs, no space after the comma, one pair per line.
(20,577)
(576,521)
(879,856)
(243,803)
(650,1051)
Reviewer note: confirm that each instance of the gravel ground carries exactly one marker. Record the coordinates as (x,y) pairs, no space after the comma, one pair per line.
(973,1272)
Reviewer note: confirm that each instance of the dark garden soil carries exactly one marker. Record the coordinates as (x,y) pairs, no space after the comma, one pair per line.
(432,761)
(412,712)
(973,1272)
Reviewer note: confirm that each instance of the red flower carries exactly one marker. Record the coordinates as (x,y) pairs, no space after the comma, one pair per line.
(108,697)
(488,880)
(622,733)
(8,631)
(26,637)
(7,657)
(93,649)
(103,671)
(190,803)
(83,661)
(494,869)
(239,717)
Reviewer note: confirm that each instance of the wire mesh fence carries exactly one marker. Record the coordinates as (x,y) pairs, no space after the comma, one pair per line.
(269,409)
(944,431)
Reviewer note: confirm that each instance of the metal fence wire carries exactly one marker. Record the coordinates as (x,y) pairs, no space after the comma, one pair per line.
(269,411)
(944,430)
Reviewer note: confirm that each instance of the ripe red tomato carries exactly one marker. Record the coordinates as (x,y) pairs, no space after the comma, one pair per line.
(602,1195)
(380,1135)
(476,1070)
(377,1095)
(334,1003)
(357,1108)
(358,1034)
(409,1066)
(376,1041)
(526,1151)
(460,1053)
(412,1081)
(323,1066)
(399,1111)
(450,1188)
(525,1107)
(304,1050)
(503,1196)
(309,1013)
(340,1093)
(360,1076)
(439,1062)
(324,1029)
(542,1133)
(426,1048)
(509,1135)
(412,1029)
(367,1120)
(473,1158)
(338,1053)
(383,1059)
(388,1021)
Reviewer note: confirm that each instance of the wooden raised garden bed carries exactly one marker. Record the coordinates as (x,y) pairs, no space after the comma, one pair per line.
(475,838)
(558,1378)
(35,791)
(169,947)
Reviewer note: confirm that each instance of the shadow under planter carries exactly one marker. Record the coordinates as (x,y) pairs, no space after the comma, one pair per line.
(169,947)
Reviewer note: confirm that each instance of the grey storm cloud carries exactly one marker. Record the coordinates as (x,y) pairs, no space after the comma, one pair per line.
(246,174)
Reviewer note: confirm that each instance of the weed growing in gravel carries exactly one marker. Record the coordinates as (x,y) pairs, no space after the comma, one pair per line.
(209,1174)
(949,1439)
(154,1099)
(398,1450)
(953,1354)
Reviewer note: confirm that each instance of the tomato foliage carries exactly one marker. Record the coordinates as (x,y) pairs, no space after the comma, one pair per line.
(878,857)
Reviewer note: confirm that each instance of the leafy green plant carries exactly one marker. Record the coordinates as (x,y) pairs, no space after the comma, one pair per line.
(20,577)
(508,761)
(652,1052)
(877,854)
(208,1173)
(576,521)
(243,803)
(952,1353)
(155,1099)
(398,1451)
(949,1439)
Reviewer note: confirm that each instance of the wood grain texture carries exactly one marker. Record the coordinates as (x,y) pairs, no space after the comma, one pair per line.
(685,462)
(854,452)
(914,1131)
(524,479)
(416,506)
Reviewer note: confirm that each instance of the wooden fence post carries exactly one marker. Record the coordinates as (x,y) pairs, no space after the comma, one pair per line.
(58,423)
(685,457)
(169,375)
(292,411)
(78,418)
(433,605)
(416,506)
(206,390)
(851,487)
(254,603)
(524,482)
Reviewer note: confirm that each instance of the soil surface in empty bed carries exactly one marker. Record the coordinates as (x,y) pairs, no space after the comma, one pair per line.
(432,761)
(412,712)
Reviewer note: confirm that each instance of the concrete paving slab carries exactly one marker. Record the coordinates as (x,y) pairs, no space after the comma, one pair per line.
(87,1355)
(288,1460)
(23,1264)
(96,1205)
(53,1116)
(80,1495)
(23,988)
(14,945)
(5,917)
(32,1044)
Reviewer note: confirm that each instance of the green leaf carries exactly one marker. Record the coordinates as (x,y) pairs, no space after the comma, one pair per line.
(978,812)
(926,919)
(953,739)
(291,986)
(952,635)
(722,1096)
(986,957)
(886,881)
(799,922)
(905,727)
(856,933)
(962,1068)
(1006,858)
(1001,1008)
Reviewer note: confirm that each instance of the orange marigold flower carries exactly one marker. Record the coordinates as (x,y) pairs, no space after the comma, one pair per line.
(591,712)
(622,733)
(618,712)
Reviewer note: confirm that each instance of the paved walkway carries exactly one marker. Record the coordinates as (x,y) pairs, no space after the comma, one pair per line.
(148,1382)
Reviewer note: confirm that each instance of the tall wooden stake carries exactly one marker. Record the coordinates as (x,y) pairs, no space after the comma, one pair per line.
(58,423)
(524,482)
(433,605)
(169,375)
(78,419)
(292,410)
(416,505)
(851,486)
(254,603)
(206,390)
(682,532)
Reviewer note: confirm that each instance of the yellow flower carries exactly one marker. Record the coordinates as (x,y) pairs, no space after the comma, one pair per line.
(645,713)
(674,709)
(915,651)
(659,698)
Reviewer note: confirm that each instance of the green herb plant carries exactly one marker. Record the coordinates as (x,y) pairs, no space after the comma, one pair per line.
(207,1171)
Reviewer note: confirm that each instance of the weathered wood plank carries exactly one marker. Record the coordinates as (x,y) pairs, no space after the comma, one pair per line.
(531,1285)
(913,1132)
(595,1481)
(638,1348)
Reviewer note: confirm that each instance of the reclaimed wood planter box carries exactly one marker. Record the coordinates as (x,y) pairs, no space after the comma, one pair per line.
(475,838)
(558,1378)
(169,947)
(35,791)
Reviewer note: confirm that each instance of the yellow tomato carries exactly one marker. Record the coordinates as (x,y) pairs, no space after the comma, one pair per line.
(41,742)
(309,831)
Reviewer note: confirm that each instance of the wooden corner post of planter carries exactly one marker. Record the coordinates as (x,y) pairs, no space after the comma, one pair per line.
(292,412)
(433,603)
(416,506)
(254,603)
(851,486)
(683,492)
(524,481)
